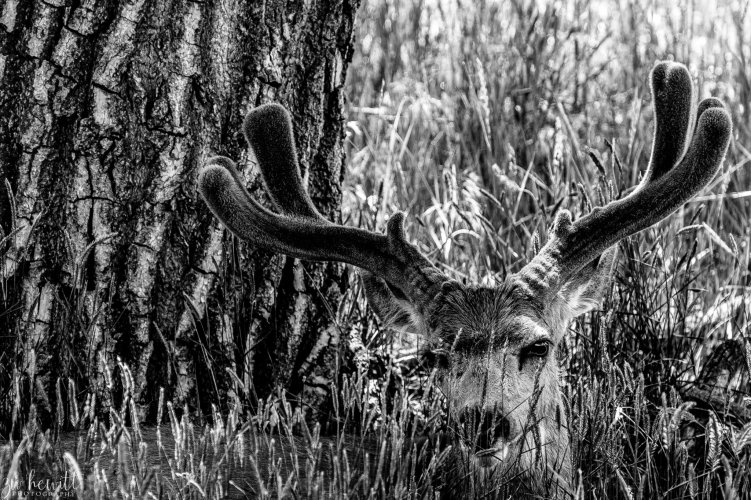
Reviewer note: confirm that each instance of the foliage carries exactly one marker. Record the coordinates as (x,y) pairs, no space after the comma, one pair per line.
(481,119)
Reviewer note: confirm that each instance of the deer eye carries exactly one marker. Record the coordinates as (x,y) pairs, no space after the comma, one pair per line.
(539,349)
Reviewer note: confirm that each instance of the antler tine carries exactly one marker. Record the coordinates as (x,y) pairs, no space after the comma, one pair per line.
(674,110)
(268,130)
(301,231)
(675,174)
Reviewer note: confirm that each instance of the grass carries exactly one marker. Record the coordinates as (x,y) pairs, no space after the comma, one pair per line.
(481,119)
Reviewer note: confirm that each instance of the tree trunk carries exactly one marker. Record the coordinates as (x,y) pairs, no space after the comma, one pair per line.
(108,109)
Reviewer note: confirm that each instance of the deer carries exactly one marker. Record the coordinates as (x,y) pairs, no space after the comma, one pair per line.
(495,348)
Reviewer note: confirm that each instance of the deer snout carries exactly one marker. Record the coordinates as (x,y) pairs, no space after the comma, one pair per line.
(483,428)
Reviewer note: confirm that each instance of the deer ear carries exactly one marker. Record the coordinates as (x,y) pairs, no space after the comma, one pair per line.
(390,304)
(585,290)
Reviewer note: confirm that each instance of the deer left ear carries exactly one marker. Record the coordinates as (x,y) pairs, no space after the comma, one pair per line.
(391,305)
(585,290)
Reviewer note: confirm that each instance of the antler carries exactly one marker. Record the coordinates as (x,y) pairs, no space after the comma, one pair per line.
(301,231)
(674,175)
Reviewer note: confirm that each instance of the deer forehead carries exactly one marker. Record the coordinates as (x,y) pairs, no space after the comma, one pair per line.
(473,320)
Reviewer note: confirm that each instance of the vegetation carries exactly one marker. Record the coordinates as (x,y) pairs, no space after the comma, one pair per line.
(481,119)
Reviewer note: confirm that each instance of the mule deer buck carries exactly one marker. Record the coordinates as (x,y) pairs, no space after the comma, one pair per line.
(495,346)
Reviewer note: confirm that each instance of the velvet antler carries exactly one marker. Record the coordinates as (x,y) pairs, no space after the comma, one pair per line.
(300,230)
(674,175)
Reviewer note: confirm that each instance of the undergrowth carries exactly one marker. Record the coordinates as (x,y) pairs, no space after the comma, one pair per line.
(481,119)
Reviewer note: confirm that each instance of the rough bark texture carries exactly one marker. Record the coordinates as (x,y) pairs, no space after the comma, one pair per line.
(108,108)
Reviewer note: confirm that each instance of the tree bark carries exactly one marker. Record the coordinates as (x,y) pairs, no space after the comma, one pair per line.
(108,109)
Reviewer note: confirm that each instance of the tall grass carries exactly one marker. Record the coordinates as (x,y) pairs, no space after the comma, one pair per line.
(481,119)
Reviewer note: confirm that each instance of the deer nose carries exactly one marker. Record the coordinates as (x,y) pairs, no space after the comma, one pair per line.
(482,427)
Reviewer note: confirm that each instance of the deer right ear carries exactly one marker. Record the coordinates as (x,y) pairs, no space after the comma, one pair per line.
(586,289)
(391,305)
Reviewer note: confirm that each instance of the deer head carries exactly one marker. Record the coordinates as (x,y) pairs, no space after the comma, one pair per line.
(494,346)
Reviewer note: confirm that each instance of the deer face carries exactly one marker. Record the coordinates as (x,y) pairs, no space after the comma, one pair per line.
(495,348)
(495,357)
